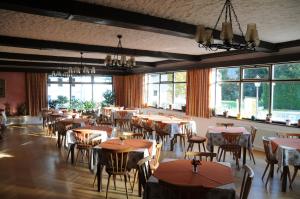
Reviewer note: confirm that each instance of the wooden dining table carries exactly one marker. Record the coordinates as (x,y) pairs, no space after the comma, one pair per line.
(216,177)
(287,152)
(215,138)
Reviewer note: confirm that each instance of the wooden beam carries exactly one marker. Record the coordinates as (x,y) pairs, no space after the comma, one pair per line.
(98,14)
(47,58)
(56,45)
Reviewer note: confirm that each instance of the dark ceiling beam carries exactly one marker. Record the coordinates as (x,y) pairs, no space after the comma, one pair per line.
(47,58)
(293,57)
(56,45)
(288,44)
(98,14)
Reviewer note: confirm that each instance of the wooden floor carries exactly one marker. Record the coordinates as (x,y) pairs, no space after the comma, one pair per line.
(31,166)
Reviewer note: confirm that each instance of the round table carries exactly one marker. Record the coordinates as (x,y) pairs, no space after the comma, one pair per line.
(179,172)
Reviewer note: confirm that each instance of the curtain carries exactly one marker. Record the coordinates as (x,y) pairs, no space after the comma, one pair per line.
(36,92)
(198,82)
(129,90)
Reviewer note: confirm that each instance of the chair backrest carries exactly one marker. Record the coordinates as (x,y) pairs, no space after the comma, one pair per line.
(206,155)
(144,170)
(231,138)
(253,134)
(157,154)
(161,128)
(117,160)
(247,182)
(267,148)
(226,124)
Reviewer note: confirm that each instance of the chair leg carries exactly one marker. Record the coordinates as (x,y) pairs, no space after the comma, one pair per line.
(265,171)
(294,176)
(199,147)
(220,155)
(109,175)
(126,186)
(134,178)
(77,156)
(114,178)
(203,146)
(251,154)
(224,155)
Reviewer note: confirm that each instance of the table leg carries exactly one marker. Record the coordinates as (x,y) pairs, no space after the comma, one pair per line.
(99,176)
(58,140)
(211,148)
(284,178)
(72,149)
(244,155)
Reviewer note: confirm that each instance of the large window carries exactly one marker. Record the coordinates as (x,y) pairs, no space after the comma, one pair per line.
(81,88)
(165,89)
(255,91)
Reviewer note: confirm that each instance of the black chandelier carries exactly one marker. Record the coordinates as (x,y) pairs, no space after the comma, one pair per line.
(119,61)
(204,37)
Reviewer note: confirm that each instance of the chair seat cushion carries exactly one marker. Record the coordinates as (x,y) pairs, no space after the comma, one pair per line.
(196,138)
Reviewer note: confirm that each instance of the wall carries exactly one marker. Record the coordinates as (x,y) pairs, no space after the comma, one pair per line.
(263,129)
(15,92)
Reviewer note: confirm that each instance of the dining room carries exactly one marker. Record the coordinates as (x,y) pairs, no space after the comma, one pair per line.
(150,99)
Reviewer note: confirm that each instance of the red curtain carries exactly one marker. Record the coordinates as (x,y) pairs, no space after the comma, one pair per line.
(129,90)
(198,81)
(36,92)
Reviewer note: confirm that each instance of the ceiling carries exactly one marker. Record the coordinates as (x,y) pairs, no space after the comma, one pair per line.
(158,33)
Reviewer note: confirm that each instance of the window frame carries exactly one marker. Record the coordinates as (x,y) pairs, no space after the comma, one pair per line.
(159,83)
(270,79)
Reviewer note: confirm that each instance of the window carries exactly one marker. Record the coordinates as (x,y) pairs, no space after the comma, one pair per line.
(165,89)
(79,88)
(261,90)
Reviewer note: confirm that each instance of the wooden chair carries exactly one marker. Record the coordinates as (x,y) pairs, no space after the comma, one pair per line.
(184,128)
(132,135)
(195,139)
(135,125)
(61,133)
(231,144)
(162,132)
(147,128)
(117,165)
(253,134)
(247,182)
(206,155)
(154,163)
(270,159)
(144,171)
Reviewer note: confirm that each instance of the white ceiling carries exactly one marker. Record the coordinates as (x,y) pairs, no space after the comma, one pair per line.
(277,20)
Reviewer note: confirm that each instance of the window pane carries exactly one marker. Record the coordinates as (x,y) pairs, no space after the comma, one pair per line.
(180,95)
(153,94)
(82,79)
(153,78)
(256,73)
(82,92)
(180,76)
(166,95)
(166,77)
(255,100)
(99,89)
(55,90)
(286,98)
(103,79)
(287,71)
(227,98)
(228,74)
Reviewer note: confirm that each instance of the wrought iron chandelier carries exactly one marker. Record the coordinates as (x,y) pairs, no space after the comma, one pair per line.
(74,71)
(119,61)
(204,36)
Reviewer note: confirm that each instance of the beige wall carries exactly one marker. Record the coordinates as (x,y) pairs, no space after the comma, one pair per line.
(203,123)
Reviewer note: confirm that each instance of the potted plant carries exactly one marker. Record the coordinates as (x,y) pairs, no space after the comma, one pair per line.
(61,101)
(225,113)
(109,98)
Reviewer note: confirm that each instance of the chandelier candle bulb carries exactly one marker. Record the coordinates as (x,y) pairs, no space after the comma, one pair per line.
(252,35)
(227,33)
(201,34)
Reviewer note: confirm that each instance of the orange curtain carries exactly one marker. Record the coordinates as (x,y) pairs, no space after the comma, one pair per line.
(129,90)
(36,90)
(198,81)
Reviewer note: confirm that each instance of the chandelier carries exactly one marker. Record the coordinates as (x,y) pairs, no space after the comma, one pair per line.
(74,71)
(204,37)
(119,61)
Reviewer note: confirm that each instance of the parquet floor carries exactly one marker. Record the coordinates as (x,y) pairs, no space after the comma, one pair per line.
(31,166)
